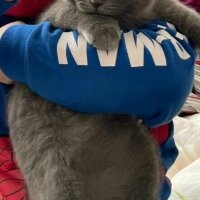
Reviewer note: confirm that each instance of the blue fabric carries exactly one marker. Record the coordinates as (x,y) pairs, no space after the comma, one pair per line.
(165,189)
(3,118)
(169,153)
(4,5)
(4,88)
(153,92)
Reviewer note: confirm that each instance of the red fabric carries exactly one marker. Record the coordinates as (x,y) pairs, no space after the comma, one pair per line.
(193,3)
(12,185)
(28,8)
(198,62)
(161,133)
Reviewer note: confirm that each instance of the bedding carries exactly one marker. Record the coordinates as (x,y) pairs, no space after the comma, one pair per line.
(186,183)
(192,104)
(185,174)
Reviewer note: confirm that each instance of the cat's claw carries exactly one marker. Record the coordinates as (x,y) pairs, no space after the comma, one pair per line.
(104,36)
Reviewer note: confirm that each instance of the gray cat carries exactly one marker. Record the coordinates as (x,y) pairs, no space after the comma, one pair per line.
(65,155)
(100,21)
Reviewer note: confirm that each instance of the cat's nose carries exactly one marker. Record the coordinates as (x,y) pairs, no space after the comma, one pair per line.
(96,3)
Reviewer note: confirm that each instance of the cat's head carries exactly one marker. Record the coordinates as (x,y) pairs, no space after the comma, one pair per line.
(112,7)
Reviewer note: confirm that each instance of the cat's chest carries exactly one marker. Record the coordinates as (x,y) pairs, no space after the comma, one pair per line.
(135,19)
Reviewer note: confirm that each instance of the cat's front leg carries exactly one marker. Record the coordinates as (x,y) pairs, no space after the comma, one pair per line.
(100,31)
(184,18)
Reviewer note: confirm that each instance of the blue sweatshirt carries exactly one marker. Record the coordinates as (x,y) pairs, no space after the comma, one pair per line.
(149,75)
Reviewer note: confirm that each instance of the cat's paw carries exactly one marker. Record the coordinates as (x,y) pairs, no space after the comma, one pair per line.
(104,35)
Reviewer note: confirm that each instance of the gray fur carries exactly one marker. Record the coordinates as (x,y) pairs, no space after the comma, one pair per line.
(66,155)
(101,26)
